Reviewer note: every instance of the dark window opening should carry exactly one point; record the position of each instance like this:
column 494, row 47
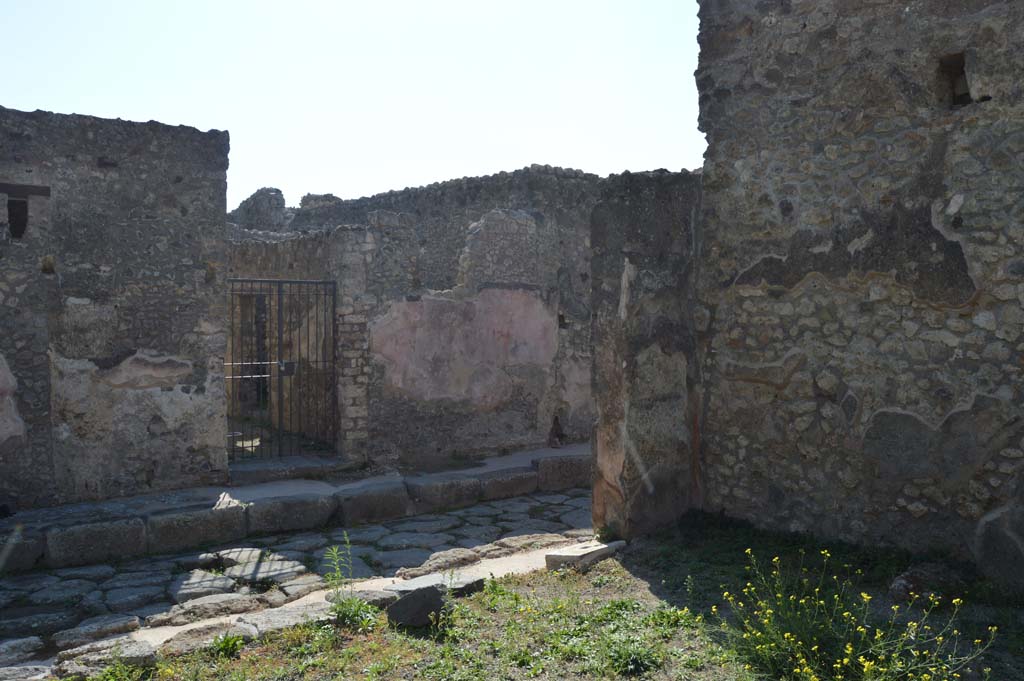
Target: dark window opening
column 954, row 70
column 17, row 217
column 562, row 323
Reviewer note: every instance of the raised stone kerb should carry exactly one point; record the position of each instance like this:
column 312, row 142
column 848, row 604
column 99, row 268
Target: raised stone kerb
column 20, row 551
column 281, row 514
column 95, row 542
column 373, row 501
column 443, row 490
column 179, row 530
column 564, row 472
column 509, row 482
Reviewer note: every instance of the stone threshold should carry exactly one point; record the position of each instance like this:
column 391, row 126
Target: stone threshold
column 255, row 471
column 117, row 530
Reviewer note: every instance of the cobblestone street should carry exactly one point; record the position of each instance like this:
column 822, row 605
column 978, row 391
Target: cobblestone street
column 50, row 611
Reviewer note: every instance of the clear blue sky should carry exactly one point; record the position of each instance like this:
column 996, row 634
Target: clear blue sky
column 356, row 97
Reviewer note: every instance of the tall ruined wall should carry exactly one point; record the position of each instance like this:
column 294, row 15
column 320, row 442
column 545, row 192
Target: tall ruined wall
column 863, row 269
column 463, row 312
column 105, row 309
column 646, row 374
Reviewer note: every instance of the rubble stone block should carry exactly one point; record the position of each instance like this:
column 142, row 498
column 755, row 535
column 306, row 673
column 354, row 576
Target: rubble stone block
column 282, row 514
column 179, row 530
column 581, row 556
column 418, row 608
column 564, row 472
column 95, row 542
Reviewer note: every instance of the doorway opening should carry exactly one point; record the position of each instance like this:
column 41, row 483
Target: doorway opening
column 279, row 368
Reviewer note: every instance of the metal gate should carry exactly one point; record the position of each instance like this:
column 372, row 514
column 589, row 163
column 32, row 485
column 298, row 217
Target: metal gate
column 279, row 368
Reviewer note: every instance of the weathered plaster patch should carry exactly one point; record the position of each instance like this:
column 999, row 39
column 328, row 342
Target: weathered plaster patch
column 628, row 275
column 913, row 251
column 145, row 370
column 131, row 429
column 776, row 374
column 904, row 447
column 576, row 391
column 439, row 348
column 660, row 374
column 85, row 328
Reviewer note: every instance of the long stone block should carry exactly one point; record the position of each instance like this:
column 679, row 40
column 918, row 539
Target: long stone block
column 441, row 491
column 179, row 530
column 373, row 502
column 564, row 472
column 20, row 552
column 281, row 514
column 510, row 482
column 95, row 542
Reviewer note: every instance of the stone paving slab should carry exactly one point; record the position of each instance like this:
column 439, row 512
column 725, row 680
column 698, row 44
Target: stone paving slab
column 19, row 650
column 265, row 570
column 199, row 583
column 93, row 629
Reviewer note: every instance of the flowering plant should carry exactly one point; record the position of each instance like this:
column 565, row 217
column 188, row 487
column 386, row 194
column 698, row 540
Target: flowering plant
column 808, row 624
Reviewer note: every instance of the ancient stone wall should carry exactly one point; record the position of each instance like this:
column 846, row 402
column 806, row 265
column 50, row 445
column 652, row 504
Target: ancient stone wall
column 863, row 270
column 105, row 306
column 463, row 312
column 646, row 373
column 264, row 211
